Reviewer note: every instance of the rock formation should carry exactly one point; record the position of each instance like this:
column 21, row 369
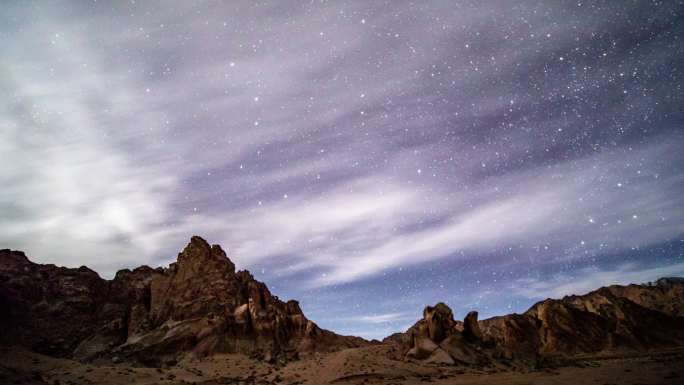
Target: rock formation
column 614, row 318
column 439, row 321
column 199, row 304
column 634, row 317
column 471, row 329
column 439, row 339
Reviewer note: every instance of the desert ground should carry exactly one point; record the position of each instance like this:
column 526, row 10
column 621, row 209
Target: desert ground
column 368, row 365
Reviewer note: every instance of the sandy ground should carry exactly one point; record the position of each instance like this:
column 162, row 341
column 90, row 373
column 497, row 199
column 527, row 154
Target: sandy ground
column 371, row 365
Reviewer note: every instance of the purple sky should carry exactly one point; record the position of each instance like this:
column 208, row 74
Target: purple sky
column 365, row 159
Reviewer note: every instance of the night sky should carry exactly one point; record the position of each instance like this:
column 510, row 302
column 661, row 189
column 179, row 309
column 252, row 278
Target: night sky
column 365, row 158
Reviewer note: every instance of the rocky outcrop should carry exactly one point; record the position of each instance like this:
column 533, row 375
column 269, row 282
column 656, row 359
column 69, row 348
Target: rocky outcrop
column 471, row 329
column 439, row 339
column 614, row 318
column 634, row 317
column 665, row 295
column 439, row 322
column 199, row 304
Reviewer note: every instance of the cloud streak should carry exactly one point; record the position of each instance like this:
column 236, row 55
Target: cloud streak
column 350, row 233
column 335, row 145
column 588, row 279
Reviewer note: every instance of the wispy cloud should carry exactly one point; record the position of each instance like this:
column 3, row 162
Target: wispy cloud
column 591, row 278
column 384, row 318
column 360, row 229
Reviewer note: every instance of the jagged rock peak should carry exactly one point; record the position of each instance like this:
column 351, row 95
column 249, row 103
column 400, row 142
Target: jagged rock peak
column 198, row 252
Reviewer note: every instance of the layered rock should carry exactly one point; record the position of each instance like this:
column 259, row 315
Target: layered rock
column 198, row 304
column 614, row 318
column 634, row 317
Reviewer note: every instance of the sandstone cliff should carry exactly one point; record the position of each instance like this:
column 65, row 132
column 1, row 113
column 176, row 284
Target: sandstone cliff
column 199, row 304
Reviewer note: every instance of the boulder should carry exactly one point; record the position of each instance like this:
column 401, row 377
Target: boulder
column 439, row 357
column 422, row 348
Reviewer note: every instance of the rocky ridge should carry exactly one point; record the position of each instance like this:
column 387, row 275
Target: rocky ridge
column 199, row 304
column 610, row 319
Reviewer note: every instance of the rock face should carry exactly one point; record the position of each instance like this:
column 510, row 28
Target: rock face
column 48, row 307
column 634, row 317
column 200, row 304
column 614, row 318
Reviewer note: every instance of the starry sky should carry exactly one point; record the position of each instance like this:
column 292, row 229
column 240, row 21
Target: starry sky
column 365, row 158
